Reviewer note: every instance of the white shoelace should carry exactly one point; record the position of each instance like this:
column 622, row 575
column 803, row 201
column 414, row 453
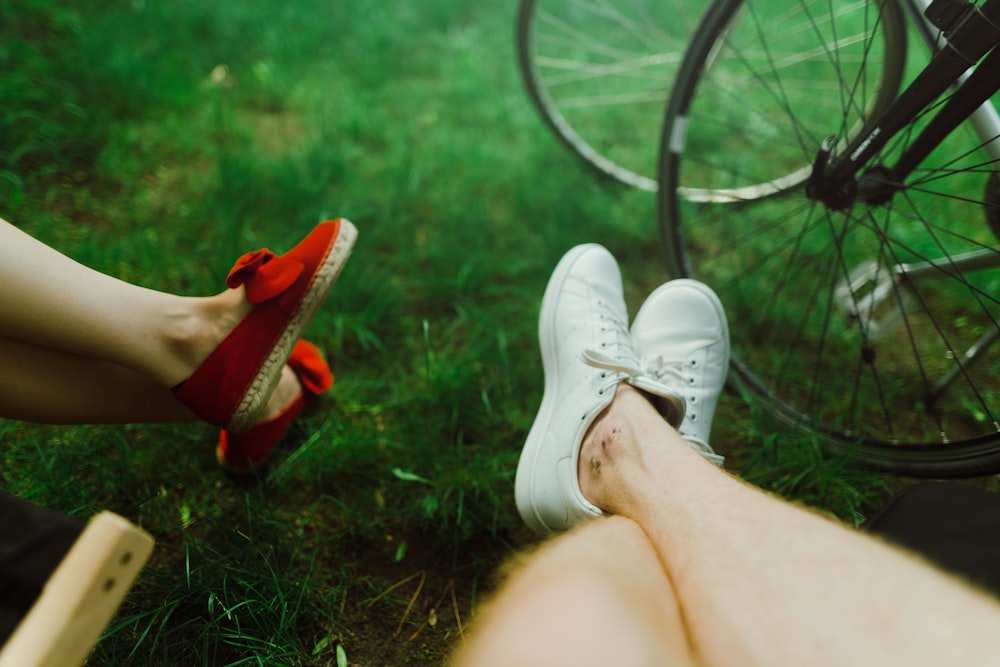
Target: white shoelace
column 618, row 363
column 669, row 372
column 658, row 369
column 617, row 368
column 616, row 355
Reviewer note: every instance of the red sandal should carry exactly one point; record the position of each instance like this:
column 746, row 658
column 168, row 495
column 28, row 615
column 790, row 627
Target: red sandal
column 231, row 387
column 241, row 454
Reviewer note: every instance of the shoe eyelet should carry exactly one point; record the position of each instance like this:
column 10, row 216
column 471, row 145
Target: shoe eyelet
column 692, row 399
column 692, row 416
column 693, row 363
column 691, row 381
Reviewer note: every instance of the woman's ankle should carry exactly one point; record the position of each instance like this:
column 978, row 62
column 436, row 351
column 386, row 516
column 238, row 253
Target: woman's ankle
column 195, row 329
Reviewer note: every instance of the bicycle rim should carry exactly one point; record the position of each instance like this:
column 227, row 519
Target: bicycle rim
column 825, row 331
column 599, row 72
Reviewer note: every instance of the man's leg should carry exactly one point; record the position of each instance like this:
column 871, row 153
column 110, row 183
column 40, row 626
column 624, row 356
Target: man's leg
column 756, row 581
column 763, row 582
column 596, row 595
column 700, row 568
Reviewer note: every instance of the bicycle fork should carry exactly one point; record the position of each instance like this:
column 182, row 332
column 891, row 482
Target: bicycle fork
column 835, row 182
column 876, row 296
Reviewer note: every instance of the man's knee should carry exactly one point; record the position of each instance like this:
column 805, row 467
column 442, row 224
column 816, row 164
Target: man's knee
column 569, row 616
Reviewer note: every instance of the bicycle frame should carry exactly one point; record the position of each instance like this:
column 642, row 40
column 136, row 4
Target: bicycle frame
column 864, row 293
column 977, row 32
column 985, row 120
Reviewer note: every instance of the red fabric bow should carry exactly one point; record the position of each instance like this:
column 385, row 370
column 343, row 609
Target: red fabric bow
column 263, row 274
column 310, row 367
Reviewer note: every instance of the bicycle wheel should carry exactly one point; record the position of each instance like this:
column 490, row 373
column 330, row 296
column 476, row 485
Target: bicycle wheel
column 599, row 72
column 868, row 325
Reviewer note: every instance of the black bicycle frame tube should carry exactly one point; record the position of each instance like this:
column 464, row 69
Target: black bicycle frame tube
column 975, row 35
column 976, row 90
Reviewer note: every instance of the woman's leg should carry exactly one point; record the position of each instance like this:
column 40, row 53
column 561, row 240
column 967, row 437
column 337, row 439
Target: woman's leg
column 46, row 385
column 49, row 300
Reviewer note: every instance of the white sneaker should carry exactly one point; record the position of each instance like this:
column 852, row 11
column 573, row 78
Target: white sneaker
column 586, row 352
column 682, row 340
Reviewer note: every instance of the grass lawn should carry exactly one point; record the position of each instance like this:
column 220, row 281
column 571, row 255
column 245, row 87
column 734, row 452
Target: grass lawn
column 159, row 141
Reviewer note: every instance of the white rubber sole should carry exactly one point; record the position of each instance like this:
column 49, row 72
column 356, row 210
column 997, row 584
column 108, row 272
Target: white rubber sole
column 538, row 441
column 248, row 412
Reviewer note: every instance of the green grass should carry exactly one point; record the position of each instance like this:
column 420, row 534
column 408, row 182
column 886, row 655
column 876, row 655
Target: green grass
column 119, row 147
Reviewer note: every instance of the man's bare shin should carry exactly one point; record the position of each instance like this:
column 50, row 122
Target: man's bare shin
column 763, row 582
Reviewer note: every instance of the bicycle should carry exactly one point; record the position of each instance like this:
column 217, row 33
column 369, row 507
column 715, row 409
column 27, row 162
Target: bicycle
column 849, row 227
column 599, row 73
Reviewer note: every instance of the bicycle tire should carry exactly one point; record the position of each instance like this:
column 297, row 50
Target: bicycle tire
column 599, row 73
column 856, row 377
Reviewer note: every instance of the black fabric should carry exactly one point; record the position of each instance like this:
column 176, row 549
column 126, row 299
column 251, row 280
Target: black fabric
column 33, row 541
column 956, row 526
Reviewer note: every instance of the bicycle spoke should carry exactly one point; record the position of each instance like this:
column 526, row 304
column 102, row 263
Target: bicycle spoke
column 861, row 312
column 599, row 72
